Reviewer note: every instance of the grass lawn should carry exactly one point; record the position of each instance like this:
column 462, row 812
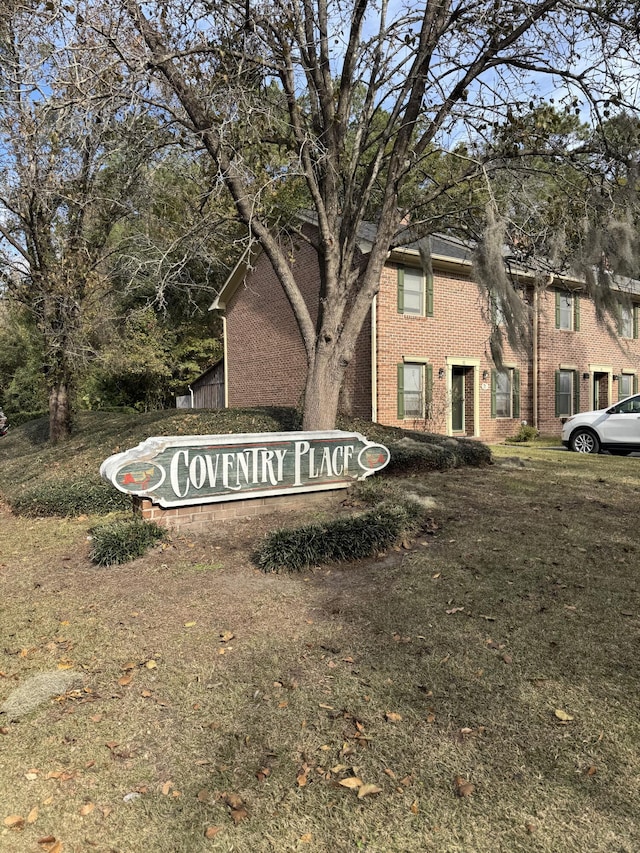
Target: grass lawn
column 484, row 680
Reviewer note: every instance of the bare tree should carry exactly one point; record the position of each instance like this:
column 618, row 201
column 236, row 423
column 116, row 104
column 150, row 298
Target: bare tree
column 356, row 100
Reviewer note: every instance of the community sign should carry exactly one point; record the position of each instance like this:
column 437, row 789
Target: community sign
column 180, row 470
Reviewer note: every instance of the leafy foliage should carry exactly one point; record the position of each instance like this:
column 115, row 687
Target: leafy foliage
column 525, row 433
column 89, row 496
column 342, row 539
column 121, row 541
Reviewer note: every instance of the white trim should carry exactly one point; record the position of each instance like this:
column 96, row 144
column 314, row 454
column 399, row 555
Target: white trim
column 451, row 362
column 374, row 359
column 225, row 354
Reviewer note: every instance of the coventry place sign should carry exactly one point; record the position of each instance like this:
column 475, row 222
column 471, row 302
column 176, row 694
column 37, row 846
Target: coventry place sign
column 180, row 470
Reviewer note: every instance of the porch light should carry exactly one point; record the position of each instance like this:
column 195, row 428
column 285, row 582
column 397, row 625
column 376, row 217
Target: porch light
column 441, row 373
column 615, row 377
column 485, row 374
column 585, row 375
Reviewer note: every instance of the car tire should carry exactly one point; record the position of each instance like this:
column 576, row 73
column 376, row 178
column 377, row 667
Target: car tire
column 585, row 441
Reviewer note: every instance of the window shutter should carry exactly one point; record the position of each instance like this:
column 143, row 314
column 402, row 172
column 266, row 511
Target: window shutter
column 429, row 294
column 576, row 392
column 401, row 390
column 557, row 393
column 557, row 309
column 428, row 388
column 400, row 290
column 576, row 312
column 635, row 384
column 493, row 394
column 515, row 404
column 635, row 321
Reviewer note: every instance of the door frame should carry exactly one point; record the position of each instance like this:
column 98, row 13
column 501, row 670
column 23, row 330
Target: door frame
column 474, row 365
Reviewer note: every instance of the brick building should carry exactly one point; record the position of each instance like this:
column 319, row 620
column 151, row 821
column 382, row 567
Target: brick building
column 423, row 357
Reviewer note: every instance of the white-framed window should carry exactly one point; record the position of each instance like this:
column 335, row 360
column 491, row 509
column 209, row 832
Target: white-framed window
column 567, row 311
column 505, row 393
column 629, row 321
column 415, row 292
column 627, row 385
column 414, row 388
column 567, row 392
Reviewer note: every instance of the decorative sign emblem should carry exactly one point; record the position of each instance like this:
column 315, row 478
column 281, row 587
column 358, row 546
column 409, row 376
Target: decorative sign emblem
column 180, row 470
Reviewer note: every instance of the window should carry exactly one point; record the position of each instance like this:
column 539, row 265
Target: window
column 414, row 389
column 415, row 292
column 567, row 311
column 627, row 385
column 629, row 321
column 567, row 393
column 505, row 393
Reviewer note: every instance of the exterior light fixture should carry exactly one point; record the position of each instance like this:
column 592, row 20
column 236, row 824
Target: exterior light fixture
column 615, row 377
column 585, row 375
column 441, row 373
column 485, row 374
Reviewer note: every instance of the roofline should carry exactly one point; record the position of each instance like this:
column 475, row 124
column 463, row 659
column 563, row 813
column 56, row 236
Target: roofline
column 236, row 277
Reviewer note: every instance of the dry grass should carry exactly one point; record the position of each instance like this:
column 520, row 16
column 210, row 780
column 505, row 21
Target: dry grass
column 543, row 560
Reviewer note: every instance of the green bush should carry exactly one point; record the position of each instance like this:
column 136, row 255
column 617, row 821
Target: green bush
column 17, row 418
column 343, row 539
column 525, row 433
column 121, row 541
column 89, row 496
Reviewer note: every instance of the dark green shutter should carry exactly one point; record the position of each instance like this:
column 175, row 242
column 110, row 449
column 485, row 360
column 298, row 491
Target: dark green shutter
column 400, row 290
column 493, row 394
column 515, row 404
column 557, row 393
column 429, row 294
column 557, row 309
column 635, row 321
column 635, row 384
column 576, row 392
column 576, row 312
column 401, row 391
column 428, row 388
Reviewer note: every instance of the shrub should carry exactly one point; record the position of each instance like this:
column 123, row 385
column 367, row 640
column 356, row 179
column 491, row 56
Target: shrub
column 89, row 496
column 525, row 433
column 352, row 538
column 121, row 541
column 17, row 418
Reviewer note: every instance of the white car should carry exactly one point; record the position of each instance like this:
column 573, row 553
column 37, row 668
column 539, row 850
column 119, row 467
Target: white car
column 616, row 429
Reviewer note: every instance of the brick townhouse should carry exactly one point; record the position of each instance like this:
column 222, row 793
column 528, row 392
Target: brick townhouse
column 423, row 358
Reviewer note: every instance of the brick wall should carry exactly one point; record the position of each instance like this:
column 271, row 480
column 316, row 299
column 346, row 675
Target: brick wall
column 200, row 517
column 456, row 334
column 590, row 347
column 266, row 360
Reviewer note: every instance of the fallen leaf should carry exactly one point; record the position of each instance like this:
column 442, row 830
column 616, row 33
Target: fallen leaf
column 238, row 814
column 57, row 848
column 4, row 730
column 190, row 624
column 87, row 808
column 96, row 718
column 124, row 680
column 390, row 773
column 225, row 636
column 563, row 716
column 151, row 664
column 351, row 782
column 14, row 821
column 365, row 790
column 591, row 770
column 128, row 666
column 47, row 839
column 234, row 801
column 392, row 717
column 463, row 788
column 306, row 838
column 507, row 658
column 167, row 787
column 414, row 807
column 31, row 777
column 211, row 831
column 301, row 779
column 32, row 817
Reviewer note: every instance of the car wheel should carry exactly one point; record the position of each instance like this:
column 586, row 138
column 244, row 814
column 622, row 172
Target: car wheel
column 616, row 451
column 585, row 441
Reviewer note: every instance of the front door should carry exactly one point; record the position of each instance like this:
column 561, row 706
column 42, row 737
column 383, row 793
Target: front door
column 600, row 391
column 457, row 399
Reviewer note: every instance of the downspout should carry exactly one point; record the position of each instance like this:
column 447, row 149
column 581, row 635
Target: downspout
column 534, row 359
column 374, row 359
column 225, row 354
column 192, row 400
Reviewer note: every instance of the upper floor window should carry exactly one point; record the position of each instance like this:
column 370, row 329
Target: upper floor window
column 629, row 321
column 415, row 292
column 567, row 310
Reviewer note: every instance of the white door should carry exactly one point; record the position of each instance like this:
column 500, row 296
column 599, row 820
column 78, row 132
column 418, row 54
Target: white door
column 623, row 425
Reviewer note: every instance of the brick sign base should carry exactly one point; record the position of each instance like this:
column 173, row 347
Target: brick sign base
column 200, row 517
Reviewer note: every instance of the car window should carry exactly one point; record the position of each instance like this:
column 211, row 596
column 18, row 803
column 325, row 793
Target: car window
column 631, row 406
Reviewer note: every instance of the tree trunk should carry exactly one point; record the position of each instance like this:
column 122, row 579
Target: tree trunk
column 322, row 393
column 59, row 412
